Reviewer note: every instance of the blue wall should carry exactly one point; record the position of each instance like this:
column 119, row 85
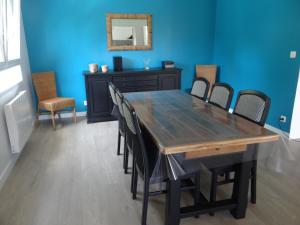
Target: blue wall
column 252, row 43
column 65, row 36
column 249, row 39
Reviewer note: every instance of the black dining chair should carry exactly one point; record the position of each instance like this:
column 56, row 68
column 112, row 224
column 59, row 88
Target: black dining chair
column 221, row 95
column 200, row 88
column 117, row 114
column 119, row 99
column 112, row 92
column 253, row 106
column 145, row 158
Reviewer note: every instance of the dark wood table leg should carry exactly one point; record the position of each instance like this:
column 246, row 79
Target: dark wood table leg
column 173, row 203
column 240, row 190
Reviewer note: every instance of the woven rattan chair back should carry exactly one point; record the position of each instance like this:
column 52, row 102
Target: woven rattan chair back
column 253, row 106
column 112, row 91
column 45, row 85
column 221, row 95
column 200, row 88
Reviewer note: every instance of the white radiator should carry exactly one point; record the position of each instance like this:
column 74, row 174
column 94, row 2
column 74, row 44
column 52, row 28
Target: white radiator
column 20, row 121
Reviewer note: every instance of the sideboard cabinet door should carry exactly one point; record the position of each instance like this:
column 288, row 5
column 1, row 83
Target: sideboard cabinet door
column 99, row 102
column 169, row 82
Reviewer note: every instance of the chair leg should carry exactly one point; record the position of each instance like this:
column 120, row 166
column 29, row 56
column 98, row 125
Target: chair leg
column 125, row 143
column 53, row 119
column 59, row 116
column 253, row 182
column 145, row 203
column 119, row 143
column 227, row 176
column 213, row 189
column 74, row 115
column 197, row 191
column 126, row 161
column 124, row 158
column 37, row 115
column 133, row 173
column 134, row 183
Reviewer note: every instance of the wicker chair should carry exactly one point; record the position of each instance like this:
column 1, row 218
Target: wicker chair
column 45, row 87
column 209, row 72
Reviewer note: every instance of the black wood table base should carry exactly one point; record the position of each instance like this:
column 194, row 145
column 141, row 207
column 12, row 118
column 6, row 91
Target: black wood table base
column 237, row 205
column 240, row 190
column 173, row 203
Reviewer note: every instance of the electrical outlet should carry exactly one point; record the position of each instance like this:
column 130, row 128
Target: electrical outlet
column 85, row 103
column 282, row 119
column 293, row 54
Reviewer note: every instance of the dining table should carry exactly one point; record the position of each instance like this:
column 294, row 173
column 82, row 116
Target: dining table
column 198, row 133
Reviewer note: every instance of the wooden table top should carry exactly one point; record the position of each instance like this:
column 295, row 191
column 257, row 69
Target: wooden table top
column 181, row 123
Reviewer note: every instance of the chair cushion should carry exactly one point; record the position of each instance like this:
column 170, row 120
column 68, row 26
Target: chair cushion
column 55, row 104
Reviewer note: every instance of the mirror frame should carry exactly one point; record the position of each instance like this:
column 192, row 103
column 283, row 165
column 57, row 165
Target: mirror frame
column 111, row 16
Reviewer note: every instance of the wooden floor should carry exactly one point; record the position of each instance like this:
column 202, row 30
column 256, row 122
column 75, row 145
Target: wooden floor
column 72, row 176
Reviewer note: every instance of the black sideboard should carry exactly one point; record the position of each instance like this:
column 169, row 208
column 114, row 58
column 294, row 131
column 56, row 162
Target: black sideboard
column 98, row 98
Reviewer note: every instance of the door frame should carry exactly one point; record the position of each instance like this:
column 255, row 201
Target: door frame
column 295, row 124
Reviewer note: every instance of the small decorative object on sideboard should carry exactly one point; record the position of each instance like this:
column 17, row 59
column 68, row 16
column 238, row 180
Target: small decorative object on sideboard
column 118, row 63
column 147, row 63
column 168, row 65
column 93, row 68
column 104, row 68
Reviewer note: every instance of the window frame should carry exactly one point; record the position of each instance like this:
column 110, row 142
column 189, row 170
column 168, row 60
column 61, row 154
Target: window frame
column 8, row 64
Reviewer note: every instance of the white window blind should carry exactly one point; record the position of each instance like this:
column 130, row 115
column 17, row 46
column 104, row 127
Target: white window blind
column 2, row 22
column 9, row 33
column 10, row 70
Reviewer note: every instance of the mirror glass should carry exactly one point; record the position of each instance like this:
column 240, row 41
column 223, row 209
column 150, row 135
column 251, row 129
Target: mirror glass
column 129, row 32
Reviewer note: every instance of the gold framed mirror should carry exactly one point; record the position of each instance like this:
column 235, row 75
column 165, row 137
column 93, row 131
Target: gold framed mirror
column 129, row 31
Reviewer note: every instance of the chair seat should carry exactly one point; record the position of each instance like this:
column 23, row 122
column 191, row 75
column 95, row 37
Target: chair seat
column 55, row 104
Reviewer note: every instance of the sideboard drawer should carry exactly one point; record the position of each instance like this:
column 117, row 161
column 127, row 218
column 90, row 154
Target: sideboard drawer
column 137, row 89
column 136, row 83
column 138, row 77
column 141, row 83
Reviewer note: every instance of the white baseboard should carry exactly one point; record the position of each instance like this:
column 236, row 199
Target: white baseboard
column 6, row 172
column 63, row 115
column 277, row 131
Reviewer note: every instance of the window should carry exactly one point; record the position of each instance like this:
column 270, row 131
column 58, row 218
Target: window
column 10, row 72
column 10, row 77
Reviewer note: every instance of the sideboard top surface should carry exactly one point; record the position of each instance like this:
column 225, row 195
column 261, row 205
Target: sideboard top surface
column 132, row 71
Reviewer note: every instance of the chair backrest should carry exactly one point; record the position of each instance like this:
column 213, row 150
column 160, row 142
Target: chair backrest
column 200, row 88
column 253, row 105
column 209, row 72
column 45, row 85
column 119, row 99
column 138, row 145
column 112, row 91
column 221, row 95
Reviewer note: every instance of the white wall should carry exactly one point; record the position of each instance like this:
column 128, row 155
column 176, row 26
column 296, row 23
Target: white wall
column 7, row 160
column 295, row 126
